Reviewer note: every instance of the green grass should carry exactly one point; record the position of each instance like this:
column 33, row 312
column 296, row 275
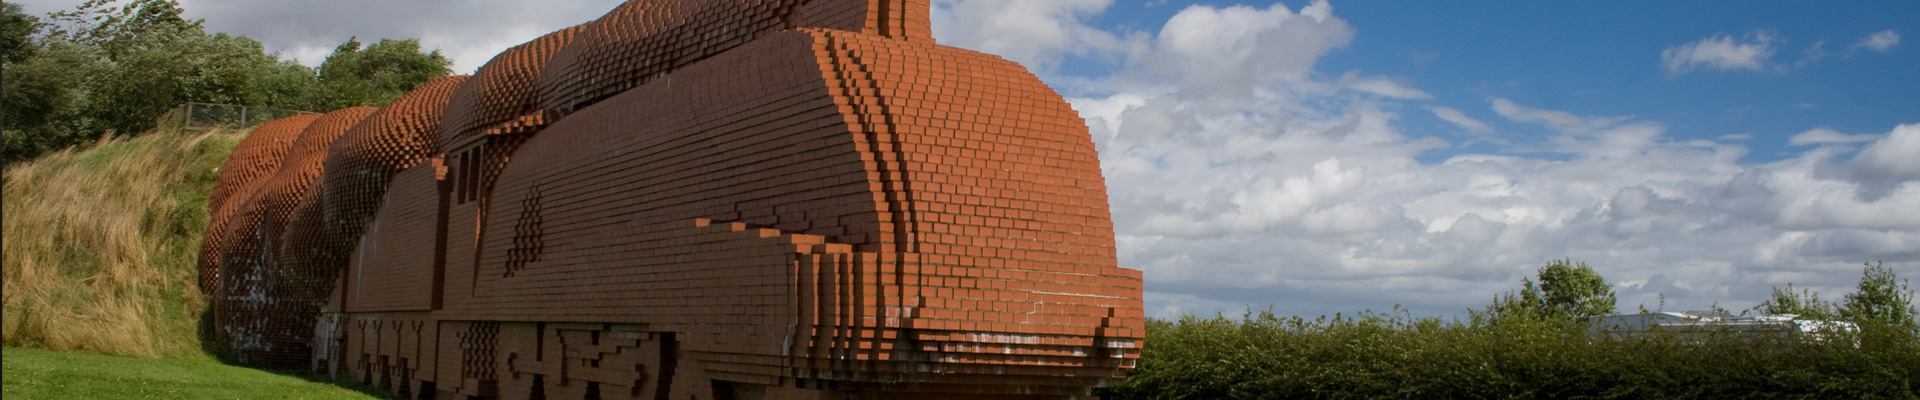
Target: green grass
column 41, row 374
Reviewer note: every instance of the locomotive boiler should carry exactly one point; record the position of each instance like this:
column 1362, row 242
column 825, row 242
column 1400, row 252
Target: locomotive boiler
column 687, row 199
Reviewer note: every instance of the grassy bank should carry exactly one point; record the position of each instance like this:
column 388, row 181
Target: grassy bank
column 40, row 374
column 100, row 245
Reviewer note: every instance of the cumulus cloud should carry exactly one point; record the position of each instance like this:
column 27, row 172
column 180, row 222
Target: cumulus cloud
column 1459, row 118
column 1897, row 154
column 1825, row 135
column 1037, row 34
column 1270, row 186
column 1721, row 52
column 1230, row 50
column 1882, row 41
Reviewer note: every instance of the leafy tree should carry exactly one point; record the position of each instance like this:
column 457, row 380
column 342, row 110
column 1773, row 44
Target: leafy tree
column 1883, row 299
column 288, row 85
column 103, row 23
column 1804, row 303
column 377, row 74
column 24, row 102
column 1574, row 289
column 161, row 70
column 1567, row 290
column 47, row 97
column 116, row 66
column 16, row 33
column 106, row 67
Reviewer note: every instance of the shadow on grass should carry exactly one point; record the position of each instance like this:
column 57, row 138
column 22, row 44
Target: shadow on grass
column 210, row 342
column 343, row 381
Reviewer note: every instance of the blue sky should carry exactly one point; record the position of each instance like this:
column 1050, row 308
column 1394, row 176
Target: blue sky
column 1603, row 58
column 1332, row 157
column 1322, row 157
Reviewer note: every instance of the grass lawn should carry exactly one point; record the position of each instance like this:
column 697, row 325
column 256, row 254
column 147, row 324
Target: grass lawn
column 41, row 374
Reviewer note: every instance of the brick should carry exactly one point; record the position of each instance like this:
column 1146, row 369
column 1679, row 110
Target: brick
column 804, row 197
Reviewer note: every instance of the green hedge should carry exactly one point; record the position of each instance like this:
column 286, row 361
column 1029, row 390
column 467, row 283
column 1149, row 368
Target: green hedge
column 1395, row 356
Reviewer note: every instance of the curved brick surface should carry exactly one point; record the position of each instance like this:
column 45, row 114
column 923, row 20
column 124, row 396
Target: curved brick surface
column 754, row 199
column 252, row 160
column 327, row 222
column 967, row 190
column 641, row 40
column 253, row 324
column 304, row 263
column 499, row 99
column 362, row 161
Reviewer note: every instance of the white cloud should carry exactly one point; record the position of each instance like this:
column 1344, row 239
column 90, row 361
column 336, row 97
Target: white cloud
column 1239, row 180
column 1721, row 52
column 1897, row 154
column 1037, row 34
column 1882, row 41
column 1812, row 54
column 1558, row 120
column 1220, row 50
column 1381, row 86
column 1458, row 118
column 1824, row 135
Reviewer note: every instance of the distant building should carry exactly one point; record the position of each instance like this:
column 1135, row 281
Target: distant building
column 1702, row 322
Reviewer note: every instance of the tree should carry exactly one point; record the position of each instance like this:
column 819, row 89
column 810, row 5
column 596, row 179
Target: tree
column 1567, row 290
column 119, row 65
column 377, row 74
column 1804, row 303
column 16, row 46
column 1883, row 299
column 1574, row 289
column 158, row 72
column 47, row 97
column 289, row 85
column 16, row 34
column 102, row 23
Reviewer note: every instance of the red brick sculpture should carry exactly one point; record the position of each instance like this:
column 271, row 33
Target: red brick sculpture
column 363, row 161
column 257, row 157
column 729, row 199
column 325, row 225
column 249, row 317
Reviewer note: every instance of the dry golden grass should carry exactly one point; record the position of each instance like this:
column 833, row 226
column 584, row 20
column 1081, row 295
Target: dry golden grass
column 100, row 245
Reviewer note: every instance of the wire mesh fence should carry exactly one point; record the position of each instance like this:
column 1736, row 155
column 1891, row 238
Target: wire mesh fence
column 204, row 116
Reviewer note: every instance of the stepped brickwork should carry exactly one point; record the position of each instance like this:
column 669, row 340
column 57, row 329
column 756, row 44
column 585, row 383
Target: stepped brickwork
column 724, row 199
column 256, row 157
column 249, row 317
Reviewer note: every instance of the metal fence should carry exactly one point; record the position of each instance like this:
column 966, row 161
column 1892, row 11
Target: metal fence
column 203, row 116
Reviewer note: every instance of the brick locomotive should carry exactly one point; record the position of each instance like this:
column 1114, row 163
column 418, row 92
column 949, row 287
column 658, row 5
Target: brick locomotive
column 722, row 199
